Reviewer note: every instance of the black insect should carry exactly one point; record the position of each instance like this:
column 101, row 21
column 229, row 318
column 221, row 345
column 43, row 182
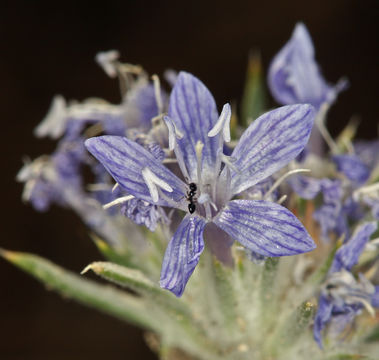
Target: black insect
column 190, row 197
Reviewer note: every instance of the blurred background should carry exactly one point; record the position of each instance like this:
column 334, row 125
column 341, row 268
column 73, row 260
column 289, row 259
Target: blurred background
column 48, row 48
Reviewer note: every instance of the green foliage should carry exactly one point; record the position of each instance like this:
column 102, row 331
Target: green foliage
column 253, row 100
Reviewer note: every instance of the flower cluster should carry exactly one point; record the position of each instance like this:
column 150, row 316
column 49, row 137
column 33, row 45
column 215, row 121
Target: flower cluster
column 227, row 212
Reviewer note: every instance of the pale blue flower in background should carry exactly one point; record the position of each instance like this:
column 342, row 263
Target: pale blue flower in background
column 343, row 297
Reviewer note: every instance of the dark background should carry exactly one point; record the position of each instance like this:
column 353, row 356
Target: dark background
column 48, row 48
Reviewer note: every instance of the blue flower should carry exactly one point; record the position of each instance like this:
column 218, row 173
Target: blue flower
column 342, row 296
column 138, row 108
column 197, row 135
column 331, row 215
column 353, row 168
column 294, row 76
column 368, row 151
column 345, row 198
column 46, row 176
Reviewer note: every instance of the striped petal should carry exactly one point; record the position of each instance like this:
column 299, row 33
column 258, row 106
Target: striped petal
column 352, row 167
column 269, row 143
column 194, row 112
column 323, row 316
column 348, row 254
column 294, row 76
column 264, row 227
column 182, row 254
column 127, row 161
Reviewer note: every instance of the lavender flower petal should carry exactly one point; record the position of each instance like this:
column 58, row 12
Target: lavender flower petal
column 294, row 76
column 352, row 167
column 305, row 186
column 323, row 315
column 348, row 254
column 182, row 254
column 142, row 213
column 141, row 105
column 367, row 151
column 194, row 111
column 375, row 298
column 125, row 159
column 264, row 227
column 269, row 143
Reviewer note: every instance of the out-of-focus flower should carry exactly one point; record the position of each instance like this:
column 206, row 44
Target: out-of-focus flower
column 294, row 76
column 342, row 296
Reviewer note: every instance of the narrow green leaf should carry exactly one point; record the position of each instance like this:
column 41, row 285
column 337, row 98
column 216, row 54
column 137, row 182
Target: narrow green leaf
column 135, row 280
column 175, row 330
column 253, row 100
column 319, row 275
column 101, row 297
column 121, row 257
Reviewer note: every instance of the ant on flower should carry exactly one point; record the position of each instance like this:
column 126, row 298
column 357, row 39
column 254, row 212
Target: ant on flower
column 190, row 197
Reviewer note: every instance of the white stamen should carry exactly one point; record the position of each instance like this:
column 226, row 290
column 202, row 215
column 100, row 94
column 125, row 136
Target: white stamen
column 222, row 124
column 157, row 92
column 373, row 245
column 366, row 190
column 115, row 186
column 97, row 187
column 119, row 200
column 282, row 199
column 26, row 172
column 169, row 161
column 173, row 132
column 208, row 213
column 364, row 302
column 54, row 123
column 281, row 179
column 107, row 60
column 178, row 132
column 152, row 181
column 199, row 155
column 28, row 188
column 320, row 123
column 229, row 160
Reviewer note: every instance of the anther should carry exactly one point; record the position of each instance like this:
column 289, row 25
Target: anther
column 173, row 132
column 222, row 124
column 281, row 179
column 152, row 181
column 54, row 122
column 368, row 190
column 119, row 200
column 229, row 160
column 157, row 92
column 107, row 60
column 199, row 155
